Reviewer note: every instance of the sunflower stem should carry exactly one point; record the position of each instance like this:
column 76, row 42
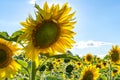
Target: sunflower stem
column 33, row 71
column 110, row 78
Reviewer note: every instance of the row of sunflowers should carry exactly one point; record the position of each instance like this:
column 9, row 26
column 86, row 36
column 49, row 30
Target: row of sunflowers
column 39, row 51
column 58, row 67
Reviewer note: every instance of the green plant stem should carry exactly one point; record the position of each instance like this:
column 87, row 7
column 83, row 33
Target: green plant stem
column 110, row 78
column 33, row 71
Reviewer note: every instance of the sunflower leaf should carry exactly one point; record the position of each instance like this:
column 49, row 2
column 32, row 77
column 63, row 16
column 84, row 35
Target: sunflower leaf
column 4, row 35
column 69, row 55
column 15, row 35
column 23, row 63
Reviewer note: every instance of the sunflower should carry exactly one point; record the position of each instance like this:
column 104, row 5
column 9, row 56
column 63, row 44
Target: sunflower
column 98, row 59
column 58, row 62
column 50, row 32
column 98, row 65
column 78, row 65
column 115, row 70
column 88, row 58
column 8, row 67
column 105, row 64
column 89, row 73
column 115, row 54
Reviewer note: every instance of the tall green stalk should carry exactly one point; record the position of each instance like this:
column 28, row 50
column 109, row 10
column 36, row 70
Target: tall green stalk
column 33, row 70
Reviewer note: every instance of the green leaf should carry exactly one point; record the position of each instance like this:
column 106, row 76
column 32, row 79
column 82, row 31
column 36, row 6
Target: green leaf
column 51, row 78
column 22, row 63
column 69, row 56
column 16, row 35
column 4, row 35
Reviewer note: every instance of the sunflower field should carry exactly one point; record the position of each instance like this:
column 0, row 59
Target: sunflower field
column 39, row 51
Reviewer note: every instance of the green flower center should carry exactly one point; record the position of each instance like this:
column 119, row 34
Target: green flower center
column 89, row 58
column 88, row 75
column 5, row 58
column 46, row 34
column 115, row 56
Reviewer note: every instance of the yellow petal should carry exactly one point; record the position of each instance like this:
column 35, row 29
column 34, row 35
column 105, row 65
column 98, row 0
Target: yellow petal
column 45, row 7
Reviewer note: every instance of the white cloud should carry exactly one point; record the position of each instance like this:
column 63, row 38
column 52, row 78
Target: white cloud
column 32, row 1
column 91, row 43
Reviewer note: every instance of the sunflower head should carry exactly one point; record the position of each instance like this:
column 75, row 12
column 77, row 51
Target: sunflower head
column 88, row 58
column 98, row 66
column 105, row 64
column 58, row 62
column 77, row 65
column 115, row 54
column 89, row 73
column 50, row 32
column 69, row 69
column 8, row 66
column 114, row 72
column 98, row 59
column 5, row 57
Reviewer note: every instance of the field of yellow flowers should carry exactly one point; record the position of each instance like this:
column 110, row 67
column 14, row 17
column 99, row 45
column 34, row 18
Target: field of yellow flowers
column 39, row 51
column 58, row 67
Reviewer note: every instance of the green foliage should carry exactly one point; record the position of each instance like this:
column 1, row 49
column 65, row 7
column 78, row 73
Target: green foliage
column 4, row 35
column 60, row 67
column 23, row 63
column 15, row 35
column 67, row 55
column 51, row 78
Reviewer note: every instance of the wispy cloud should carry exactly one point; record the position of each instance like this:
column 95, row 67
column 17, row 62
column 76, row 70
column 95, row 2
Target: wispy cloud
column 91, row 43
column 32, row 1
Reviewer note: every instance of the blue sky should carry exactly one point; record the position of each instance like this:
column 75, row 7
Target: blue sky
column 97, row 27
